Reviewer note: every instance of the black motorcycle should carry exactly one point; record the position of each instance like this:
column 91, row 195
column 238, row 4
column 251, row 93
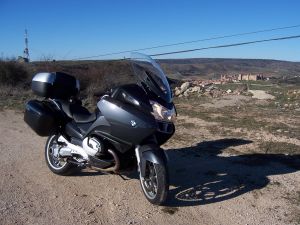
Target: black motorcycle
column 127, row 128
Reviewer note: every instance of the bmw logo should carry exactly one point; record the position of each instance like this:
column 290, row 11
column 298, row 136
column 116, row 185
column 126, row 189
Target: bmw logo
column 133, row 123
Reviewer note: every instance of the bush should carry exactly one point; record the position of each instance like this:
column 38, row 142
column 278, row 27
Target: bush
column 12, row 73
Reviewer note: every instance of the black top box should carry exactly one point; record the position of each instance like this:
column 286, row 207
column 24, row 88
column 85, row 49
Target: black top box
column 55, row 85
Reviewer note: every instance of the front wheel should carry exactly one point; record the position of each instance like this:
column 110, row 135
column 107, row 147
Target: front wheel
column 155, row 183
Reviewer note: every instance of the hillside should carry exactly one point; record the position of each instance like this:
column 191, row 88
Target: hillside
column 210, row 67
column 118, row 72
column 100, row 75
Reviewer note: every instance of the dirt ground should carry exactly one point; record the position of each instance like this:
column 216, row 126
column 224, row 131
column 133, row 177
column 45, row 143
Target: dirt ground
column 220, row 173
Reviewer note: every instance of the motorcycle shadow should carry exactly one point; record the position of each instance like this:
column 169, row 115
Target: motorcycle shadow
column 199, row 175
column 85, row 173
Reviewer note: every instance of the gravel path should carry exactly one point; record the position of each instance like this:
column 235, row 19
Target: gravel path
column 206, row 188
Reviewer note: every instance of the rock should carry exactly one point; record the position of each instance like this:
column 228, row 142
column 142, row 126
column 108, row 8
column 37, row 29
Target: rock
column 90, row 212
column 209, row 88
column 195, row 89
column 177, row 92
column 186, row 94
column 180, row 96
column 189, row 89
column 185, row 86
column 228, row 91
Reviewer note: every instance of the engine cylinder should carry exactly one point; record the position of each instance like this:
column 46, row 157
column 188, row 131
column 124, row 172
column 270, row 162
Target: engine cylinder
column 92, row 146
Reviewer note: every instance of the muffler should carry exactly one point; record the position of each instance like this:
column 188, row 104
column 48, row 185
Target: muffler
column 115, row 162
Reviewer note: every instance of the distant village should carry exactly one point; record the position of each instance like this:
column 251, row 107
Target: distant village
column 240, row 77
column 231, row 79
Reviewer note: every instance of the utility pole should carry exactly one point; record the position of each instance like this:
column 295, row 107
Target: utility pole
column 26, row 50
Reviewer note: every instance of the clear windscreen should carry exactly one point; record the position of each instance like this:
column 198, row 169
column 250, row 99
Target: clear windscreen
column 150, row 73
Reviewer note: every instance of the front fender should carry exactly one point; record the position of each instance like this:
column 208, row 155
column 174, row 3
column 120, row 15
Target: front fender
column 151, row 153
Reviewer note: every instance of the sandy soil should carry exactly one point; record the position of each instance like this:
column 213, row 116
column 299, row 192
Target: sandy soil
column 261, row 94
column 209, row 185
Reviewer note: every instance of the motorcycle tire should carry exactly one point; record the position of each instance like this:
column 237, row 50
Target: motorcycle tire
column 155, row 184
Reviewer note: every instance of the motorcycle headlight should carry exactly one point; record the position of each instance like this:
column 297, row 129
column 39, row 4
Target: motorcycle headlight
column 162, row 113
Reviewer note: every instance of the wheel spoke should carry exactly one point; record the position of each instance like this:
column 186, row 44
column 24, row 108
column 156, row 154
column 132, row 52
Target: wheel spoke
column 54, row 160
column 149, row 182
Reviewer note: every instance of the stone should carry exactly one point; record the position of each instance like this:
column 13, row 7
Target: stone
column 228, row 91
column 185, row 86
column 186, row 94
column 189, row 89
column 177, row 92
column 195, row 89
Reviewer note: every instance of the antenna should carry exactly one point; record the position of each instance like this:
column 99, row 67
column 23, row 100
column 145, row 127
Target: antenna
column 26, row 50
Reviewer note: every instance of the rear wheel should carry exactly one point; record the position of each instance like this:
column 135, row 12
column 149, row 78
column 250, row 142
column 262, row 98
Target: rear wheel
column 155, row 183
column 55, row 163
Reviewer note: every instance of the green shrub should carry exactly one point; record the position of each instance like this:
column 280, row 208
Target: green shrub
column 12, row 73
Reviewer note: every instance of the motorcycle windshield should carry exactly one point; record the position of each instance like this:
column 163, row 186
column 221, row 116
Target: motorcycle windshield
column 150, row 73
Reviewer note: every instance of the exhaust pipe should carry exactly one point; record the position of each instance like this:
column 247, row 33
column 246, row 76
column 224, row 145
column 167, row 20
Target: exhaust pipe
column 114, row 168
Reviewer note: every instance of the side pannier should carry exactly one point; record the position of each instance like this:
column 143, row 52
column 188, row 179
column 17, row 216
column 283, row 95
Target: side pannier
column 40, row 117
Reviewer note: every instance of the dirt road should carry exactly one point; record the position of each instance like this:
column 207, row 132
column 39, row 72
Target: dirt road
column 208, row 186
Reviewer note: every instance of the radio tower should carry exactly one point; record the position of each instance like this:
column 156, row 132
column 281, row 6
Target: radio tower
column 26, row 51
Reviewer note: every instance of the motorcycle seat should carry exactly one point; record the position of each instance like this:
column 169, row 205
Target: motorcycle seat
column 82, row 114
column 77, row 112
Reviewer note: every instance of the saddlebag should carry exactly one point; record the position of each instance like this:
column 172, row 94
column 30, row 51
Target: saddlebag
column 40, row 117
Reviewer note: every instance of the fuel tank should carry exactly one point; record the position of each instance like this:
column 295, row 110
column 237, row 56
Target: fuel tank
column 126, row 122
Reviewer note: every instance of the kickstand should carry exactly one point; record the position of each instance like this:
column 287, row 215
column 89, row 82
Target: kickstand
column 123, row 178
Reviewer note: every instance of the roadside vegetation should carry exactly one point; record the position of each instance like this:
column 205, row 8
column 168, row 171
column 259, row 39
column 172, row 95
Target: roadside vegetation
column 95, row 77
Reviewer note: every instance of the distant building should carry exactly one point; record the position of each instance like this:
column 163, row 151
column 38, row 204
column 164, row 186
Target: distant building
column 250, row 77
column 23, row 59
column 227, row 78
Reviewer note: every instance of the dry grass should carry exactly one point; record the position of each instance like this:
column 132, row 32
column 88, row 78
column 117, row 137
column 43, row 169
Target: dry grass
column 14, row 97
column 270, row 147
column 95, row 77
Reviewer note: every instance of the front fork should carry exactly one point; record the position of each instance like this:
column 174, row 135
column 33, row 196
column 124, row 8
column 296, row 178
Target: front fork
column 152, row 153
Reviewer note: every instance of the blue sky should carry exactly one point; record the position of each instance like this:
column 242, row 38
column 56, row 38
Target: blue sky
column 78, row 28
